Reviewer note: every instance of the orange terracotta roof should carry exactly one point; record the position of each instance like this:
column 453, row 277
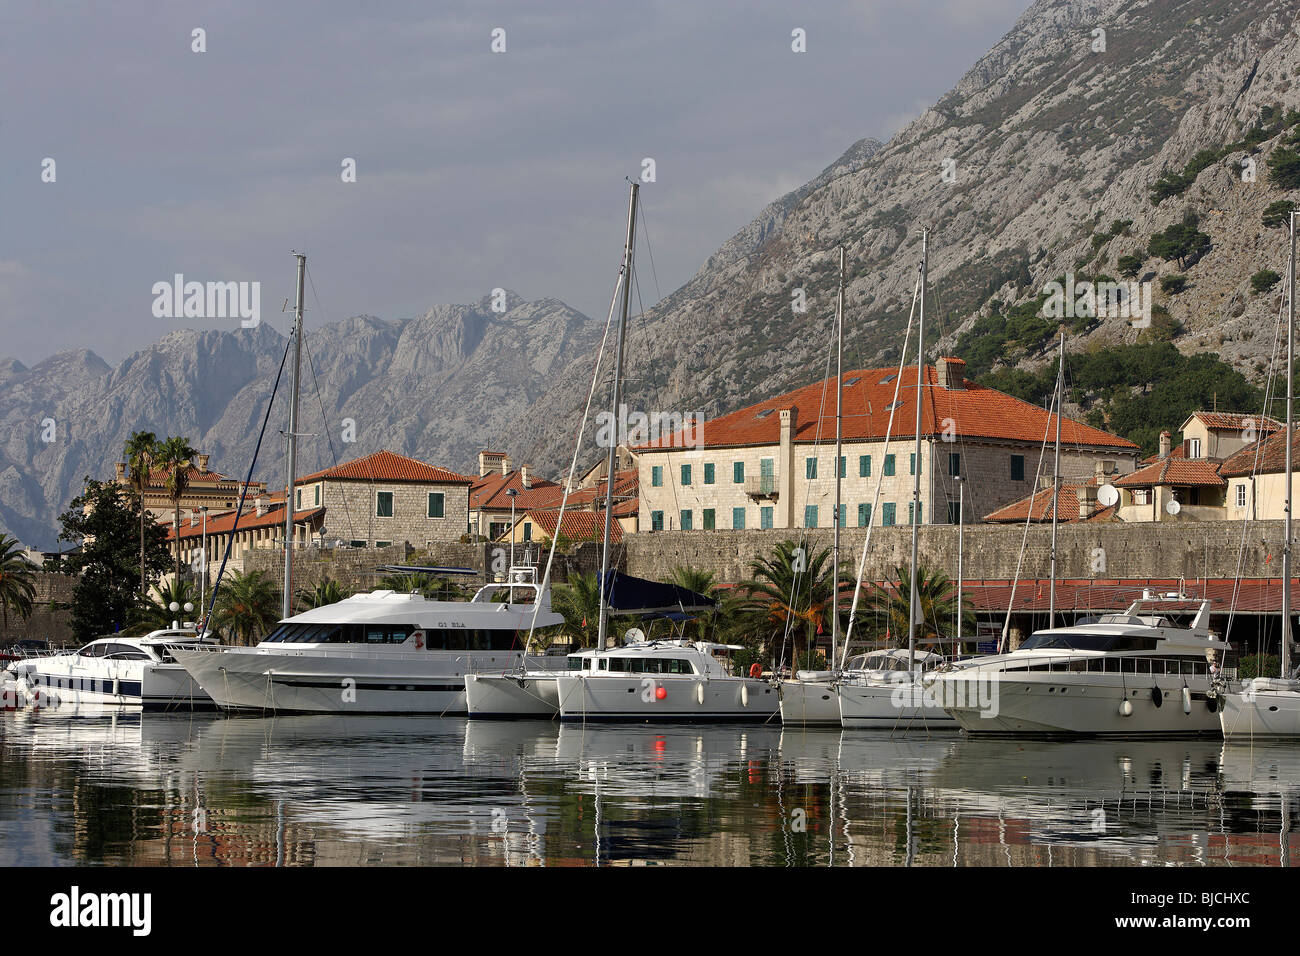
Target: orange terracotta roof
column 974, row 411
column 1174, row 471
column 1264, row 457
column 488, row 492
column 192, row 474
column 1233, row 421
column 274, row 517
column 387, row 466
column 577, row 526
column 1178, row 451
column 1067, row 506
column 626, row 492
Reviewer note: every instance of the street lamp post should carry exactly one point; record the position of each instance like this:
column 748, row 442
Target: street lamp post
column 513, row 493
column 203, row 581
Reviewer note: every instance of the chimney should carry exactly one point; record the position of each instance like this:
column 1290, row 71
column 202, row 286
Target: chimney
column 1166, row 443
column 505, row 465
column 1099, row 470
column 526, row 475
column 194, row 517
column 952, row 373
column 203, row 463
column 121, row 471
column 488, row 462
column 260, row 502
column 1087, row 500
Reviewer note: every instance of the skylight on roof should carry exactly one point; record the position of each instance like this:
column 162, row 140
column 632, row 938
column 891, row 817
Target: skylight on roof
column 764, row 413
column 893, row 405
column 853, row 381
column 888, row 378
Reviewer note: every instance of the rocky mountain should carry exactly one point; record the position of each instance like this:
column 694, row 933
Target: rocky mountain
column 1040, row 162
column 441, row 387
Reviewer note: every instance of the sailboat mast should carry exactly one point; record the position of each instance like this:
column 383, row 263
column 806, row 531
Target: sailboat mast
column 839, row 475
column 1286, row 513
column 1056, row 487
column 913, row 605
column 611, row 460
column 286, row 600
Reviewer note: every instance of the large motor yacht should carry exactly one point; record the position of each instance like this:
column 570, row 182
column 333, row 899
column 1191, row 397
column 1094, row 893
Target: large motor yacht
column 116, row 671
column 379, row 652
column 1139, row 672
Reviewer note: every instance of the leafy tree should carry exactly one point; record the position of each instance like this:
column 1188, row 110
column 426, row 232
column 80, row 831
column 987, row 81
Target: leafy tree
column 414, row 582
column 1129, row 266
column 140, row 450
column 1172, row 285
column 579, row 603
column 1278, row 213
column 156, row 613
column 1284, row 168
column 1263, row 280
column 1181, row 242
column 326, row 591
column 17, row 580
column 173, row 456
column 105, row 523
column 247, row 605
column 937, row 597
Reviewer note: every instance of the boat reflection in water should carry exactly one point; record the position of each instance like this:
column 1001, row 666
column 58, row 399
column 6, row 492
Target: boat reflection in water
column 121, row 787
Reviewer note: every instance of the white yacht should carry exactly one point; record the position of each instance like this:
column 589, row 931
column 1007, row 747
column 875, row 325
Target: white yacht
column 379, row 652
column 1139, row 672
column 891, row 695
column 1261, row 707
column 813, row 699
column 673, row 680
column 117, row 671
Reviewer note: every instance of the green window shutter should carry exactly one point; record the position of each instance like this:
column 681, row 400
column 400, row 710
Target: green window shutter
column 889, row 466
column 688, row 521
column 656, row 521
column 709, row 519
column 810, row 516
column 810, row 467
column 765, row 517
column 864, row 466
column 437, row 504
column 686, row 475
column 738, row 518
column 844, row 464
column 657, row 476
column 383, row 504
column 708, row 473
column 887, row 513
column 864, row 515
column 738, row 472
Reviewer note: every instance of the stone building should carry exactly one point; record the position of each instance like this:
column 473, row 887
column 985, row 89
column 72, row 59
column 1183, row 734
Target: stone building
column 385, row 499
column 206, row 489
column 771, row 465
column 490, row 495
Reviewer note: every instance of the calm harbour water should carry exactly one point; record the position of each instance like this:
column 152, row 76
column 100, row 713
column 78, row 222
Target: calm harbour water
column 186, row 790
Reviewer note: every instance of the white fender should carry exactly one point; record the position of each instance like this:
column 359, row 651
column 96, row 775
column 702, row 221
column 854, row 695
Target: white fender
column 699, row 693
column 117, row 686
column 744, row 695
column 1187, row 700
column 1126, row 708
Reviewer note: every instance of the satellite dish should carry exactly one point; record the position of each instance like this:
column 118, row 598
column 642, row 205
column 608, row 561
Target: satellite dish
column 1173, row 507
column 634, row 635
column 1107, row 495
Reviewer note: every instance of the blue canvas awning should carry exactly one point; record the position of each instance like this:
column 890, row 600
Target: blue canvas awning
column 630, row 595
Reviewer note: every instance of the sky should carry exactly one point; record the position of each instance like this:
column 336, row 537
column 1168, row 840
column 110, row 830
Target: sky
column 474, row 169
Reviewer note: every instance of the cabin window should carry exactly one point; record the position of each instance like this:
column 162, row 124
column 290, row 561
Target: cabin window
column 383, row 504
column 437, row 504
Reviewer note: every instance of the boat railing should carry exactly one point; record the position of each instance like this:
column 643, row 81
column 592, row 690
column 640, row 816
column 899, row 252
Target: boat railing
column 472, row 664
column 1104, row 664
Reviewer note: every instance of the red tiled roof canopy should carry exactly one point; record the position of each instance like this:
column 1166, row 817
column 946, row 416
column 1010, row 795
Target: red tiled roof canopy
column 489, row 492
column 577, row 526
column 974, row 411
column 1264, row 457
column 1235, row 421
column 273, row 518
column 1067, row 506
column 387, row 466
column 1174, row 471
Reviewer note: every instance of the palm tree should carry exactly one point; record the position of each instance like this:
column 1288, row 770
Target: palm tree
column 326, row 591
column 705, row 583
column 17, row 580
column 156, row 612
column 937, row 596
column 247, row 605
column 141, row 450
column 790, row 592
column 173, row 456
column 415, row 582
column 579, row 602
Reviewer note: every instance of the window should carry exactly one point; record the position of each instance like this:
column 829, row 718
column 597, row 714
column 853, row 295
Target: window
column 954, row 463
column 810, row 467
column 437, row 504
column 810, row 516
column 1241, row 496
column 738, row 518
column 864, row 515
column 356, row 544
column 710, row 519
column 657, row 476
column 738, row 472
column 889, row 466
column 1017, row 467
column 844, row 465
column 317, row 492
column 1193, row 448
column 911, row 464
column 708, row 473
column 887, row 512
column 954, row 512
column 297, row 501
column 686, row 475
column 528, row 531
column 383, row 504
column 864, row 466
column 688, row 521
column 1141, row 496
column 919, row 509
column 656, row 521
column 383, row 544
column 765, row 517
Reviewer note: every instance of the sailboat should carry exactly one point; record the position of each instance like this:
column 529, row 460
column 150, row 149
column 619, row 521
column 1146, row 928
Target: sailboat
column 1270, row 706
column 888, row 698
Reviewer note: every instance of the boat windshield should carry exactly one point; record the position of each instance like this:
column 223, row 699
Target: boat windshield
column 1071, row 641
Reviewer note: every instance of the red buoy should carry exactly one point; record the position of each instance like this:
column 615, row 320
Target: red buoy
column 661, row 693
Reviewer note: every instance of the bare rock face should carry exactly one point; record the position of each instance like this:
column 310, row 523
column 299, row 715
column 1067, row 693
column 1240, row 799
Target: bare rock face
column 1055, row 134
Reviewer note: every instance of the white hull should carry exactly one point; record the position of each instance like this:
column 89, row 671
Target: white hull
column 1078, row 703
column 686, row 698
column 1267, row 708
column 70, row 680
column 428, row 682
column 506, row 695
column 809, row 703
column 890, row 705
